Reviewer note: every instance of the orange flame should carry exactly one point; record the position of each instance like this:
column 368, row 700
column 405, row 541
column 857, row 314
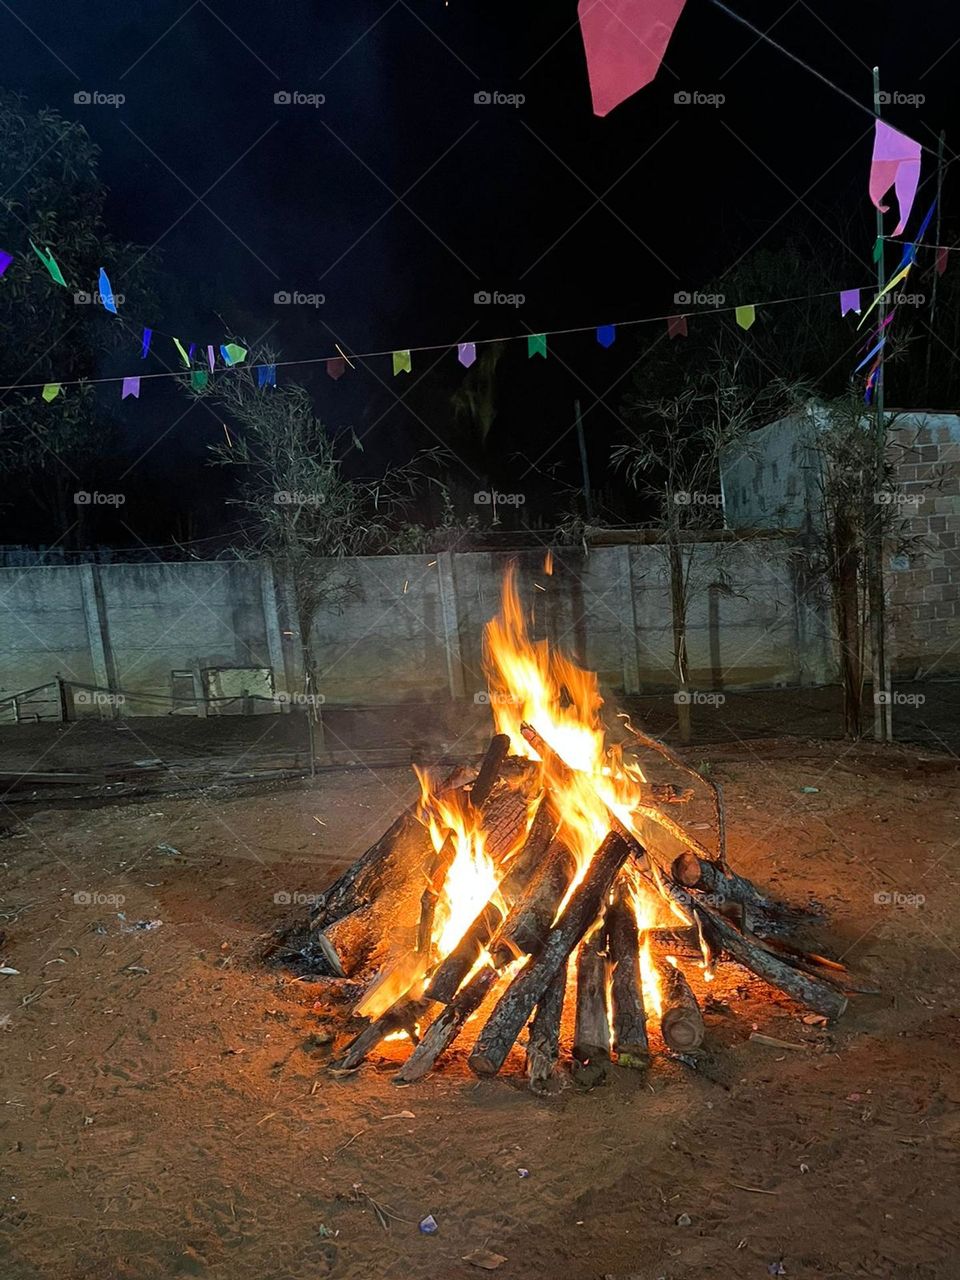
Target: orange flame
column 531, row 683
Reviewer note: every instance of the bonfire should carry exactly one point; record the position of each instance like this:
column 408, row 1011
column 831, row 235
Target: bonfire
column 553, row 872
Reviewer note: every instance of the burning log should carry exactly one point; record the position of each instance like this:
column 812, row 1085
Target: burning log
column 671, row 756
column 591, row 1036
column 403, row 1016
column 447, row 1026
column 626, row 987
column 681, row 1022
column 753, row 955
column 452, row 971
column 442, row 861
column 364, row 878
column 515, row 1006
column 543, row 1046
column 695, row 873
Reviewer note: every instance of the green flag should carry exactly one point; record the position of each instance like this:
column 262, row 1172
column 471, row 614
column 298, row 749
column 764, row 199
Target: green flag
column 877, row 248
column 51, row 391
column 746, row 316
column 537, row 345
column 199, row 379
column 50, row 262
column 183, row 351
column 401, row 362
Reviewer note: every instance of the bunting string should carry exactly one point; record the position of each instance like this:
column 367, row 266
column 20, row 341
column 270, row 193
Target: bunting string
column 466, row 352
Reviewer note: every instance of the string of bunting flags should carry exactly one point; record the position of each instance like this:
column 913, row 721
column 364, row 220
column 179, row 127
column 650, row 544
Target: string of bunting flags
column 200, row 362
column 895, row 164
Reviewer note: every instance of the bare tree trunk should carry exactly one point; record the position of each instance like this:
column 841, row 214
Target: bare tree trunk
column 847, row 611
column 679, row 610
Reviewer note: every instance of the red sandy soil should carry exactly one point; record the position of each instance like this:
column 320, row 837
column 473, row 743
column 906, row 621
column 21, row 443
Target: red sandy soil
column 168, row 1112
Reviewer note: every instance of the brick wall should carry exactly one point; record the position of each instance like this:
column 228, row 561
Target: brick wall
column 924, row 585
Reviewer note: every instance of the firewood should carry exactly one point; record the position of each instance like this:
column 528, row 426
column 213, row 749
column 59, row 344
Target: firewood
column 362, row 880
column 443, row 859
column 695, row 873
column 404, row 1015
column 591, row 1036
column 533, row 905
column 626, row 987
column 543, row 1046
column 515, row 1006
column 759, row 959
column 447, row 1026
column 668, row 754
column 681, row 1022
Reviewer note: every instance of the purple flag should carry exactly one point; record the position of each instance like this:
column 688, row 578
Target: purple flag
column 193, row 347
column 211, row 357
column 895, row 163
column 850, row 301
column 5, row 260
column 131, row 387
column 466, row 353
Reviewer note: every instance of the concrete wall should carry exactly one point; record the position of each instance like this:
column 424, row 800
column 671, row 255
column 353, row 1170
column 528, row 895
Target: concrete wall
column 773, row 484
column 400, row 628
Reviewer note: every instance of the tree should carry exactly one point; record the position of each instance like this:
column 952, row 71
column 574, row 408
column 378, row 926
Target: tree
column 303, row 511
column 54, row 196
column 674, row 459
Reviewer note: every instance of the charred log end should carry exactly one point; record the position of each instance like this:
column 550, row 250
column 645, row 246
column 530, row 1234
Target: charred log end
column 682, row 1030
column 686, row 869
column 482, row 1065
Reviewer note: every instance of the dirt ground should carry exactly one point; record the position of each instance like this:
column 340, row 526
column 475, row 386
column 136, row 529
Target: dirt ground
column 167, row 1111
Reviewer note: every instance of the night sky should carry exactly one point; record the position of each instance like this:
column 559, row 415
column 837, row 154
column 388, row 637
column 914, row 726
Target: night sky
column 401, row 197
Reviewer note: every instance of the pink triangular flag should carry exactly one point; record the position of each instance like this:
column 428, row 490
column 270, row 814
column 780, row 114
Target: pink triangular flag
column 943, row 255
column 131, row 387
column 336, row 367
column 677, row 326
column 625, row 41
column 896, row 162
column 466, row 353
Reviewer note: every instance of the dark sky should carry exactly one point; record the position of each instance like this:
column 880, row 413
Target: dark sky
column 400, row 197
